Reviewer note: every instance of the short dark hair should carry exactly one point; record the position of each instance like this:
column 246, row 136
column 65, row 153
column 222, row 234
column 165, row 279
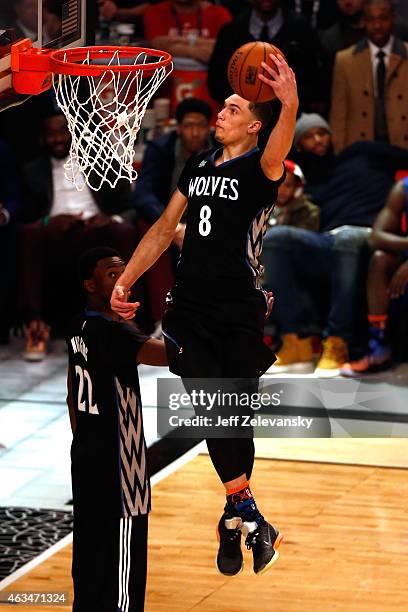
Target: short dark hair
column 262, row 111
column 193, row 105
column 89, row 260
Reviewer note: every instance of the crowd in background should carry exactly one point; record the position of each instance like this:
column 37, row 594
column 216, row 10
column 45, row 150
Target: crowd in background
column 336, row 247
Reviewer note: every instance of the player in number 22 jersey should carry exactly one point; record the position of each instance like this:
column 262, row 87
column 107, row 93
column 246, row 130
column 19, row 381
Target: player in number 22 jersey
column 213, row 326
column 110, row 482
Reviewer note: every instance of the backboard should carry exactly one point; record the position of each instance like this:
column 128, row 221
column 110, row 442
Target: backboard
column 52, row 24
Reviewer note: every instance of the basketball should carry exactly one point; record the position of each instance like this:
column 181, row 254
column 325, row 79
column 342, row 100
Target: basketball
column 243, row 69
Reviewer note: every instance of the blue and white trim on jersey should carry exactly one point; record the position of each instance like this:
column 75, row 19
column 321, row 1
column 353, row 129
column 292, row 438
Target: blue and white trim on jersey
column 134, row 479
column 254, row 243
column 234, row 159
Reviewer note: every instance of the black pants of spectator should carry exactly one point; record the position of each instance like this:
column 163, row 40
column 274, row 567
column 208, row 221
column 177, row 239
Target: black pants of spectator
column 50, row 288
column 296, row 260
column 221, row 339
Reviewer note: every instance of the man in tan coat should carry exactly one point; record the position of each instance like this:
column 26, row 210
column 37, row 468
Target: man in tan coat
column 370, row 84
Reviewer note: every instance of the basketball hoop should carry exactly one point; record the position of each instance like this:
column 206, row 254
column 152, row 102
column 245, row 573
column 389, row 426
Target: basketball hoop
column 104, row 93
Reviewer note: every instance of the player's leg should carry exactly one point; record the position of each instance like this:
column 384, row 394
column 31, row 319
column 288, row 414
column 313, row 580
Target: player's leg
column 134, row 574
column 381, row 268
column 95, row 562
column 245, row 356
column 194, row 355
column 109, row 563
column 233, row 460
column 196, row 351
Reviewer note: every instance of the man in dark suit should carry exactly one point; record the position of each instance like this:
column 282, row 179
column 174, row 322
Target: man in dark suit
column 349, row 30
column 369, row 84
column 269, row 20
column 60, row 223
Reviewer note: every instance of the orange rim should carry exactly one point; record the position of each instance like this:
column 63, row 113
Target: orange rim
column 69, row 61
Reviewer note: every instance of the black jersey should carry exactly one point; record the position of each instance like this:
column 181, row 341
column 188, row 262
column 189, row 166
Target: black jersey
column 109, row 471
column 227, row 213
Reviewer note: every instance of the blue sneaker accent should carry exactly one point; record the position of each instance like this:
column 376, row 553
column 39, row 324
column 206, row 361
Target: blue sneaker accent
column 247, row 511
column 378, row 334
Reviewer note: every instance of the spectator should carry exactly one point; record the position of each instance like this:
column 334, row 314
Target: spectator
column 60, row 223
column 297, row 261
column 127, row 12
column 9, row 212
column 269, row 20
column 161, row 167
column 387, row 279
column 20, row 124
column 165, row 157
column 292, row 207
column 185, row 28
column 235, row 7
column 313, row 149
column 368, row 93
column 347, row 31
column 26, row 19
column 321, row 14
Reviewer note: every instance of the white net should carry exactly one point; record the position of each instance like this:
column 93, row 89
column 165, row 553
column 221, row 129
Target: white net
column 104, row 114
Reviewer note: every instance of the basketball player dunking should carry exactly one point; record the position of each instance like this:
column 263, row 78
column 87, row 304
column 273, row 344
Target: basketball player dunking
column 229, row 192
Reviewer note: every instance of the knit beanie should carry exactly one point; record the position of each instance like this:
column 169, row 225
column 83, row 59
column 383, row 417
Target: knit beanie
column 306, row 122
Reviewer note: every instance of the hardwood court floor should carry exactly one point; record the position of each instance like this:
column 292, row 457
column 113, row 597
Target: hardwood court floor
column 345, row 546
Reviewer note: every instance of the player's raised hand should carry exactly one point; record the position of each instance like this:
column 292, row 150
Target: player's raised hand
column 120, row 305
column 282, row 80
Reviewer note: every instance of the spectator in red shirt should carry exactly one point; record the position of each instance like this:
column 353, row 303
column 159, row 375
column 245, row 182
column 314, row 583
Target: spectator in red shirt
column 185, row 28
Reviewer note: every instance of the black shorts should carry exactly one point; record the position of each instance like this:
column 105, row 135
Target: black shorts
column 109, row 563
column 212, row 337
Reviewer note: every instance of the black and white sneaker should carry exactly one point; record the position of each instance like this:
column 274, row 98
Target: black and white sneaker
column 229, row 560
column 264, row 540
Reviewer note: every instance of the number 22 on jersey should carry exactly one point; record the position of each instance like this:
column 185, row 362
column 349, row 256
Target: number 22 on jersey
column 85, row 396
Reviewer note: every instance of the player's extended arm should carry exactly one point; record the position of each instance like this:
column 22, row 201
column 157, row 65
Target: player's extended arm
column 387, row 228
column 153, row 352
column 283, row 83
column 156, row 240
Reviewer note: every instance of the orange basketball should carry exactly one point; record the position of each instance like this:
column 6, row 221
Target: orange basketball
column 243, row 69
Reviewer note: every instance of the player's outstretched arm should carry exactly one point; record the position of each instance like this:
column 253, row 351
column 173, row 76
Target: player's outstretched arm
column 149, row 249
column 153, row 352
column 283, row 82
